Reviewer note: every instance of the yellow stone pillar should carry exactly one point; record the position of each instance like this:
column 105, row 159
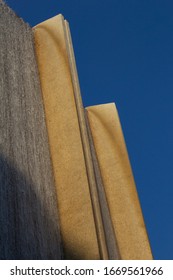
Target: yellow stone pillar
column 74, row 202
column 118, row 181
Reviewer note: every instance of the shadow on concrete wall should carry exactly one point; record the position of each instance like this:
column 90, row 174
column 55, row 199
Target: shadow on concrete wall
column 27, row 231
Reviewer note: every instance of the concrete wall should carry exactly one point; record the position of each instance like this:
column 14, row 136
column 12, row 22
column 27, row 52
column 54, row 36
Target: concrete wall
column 28, row 203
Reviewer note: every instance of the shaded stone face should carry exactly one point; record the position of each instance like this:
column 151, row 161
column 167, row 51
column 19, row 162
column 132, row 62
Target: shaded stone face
column 29, row 227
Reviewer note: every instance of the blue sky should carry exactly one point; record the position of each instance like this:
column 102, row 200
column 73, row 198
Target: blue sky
column 124, row 54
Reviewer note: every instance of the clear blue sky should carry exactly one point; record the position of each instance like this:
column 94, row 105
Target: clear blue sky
column 124, row 53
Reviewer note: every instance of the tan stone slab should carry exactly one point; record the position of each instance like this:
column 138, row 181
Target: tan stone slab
column 118, row 182
column 74, row 202
column 87, row 150
column 111, row 242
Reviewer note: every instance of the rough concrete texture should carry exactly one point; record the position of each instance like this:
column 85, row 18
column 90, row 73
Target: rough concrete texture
column 119, row 185
column 29, row 226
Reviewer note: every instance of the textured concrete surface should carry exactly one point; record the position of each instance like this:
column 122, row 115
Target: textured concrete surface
column 29, row 226
column 119, row 186
column 75, row 206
